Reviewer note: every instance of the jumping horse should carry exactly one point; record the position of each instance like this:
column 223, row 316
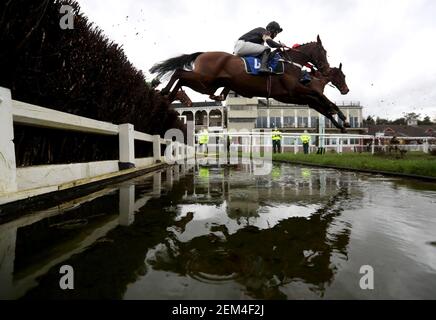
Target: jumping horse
column 213, row 70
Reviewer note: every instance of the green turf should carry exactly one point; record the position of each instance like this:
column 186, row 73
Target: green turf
column 413, row 162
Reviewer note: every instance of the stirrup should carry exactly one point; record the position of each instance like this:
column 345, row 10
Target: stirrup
column 265, row 70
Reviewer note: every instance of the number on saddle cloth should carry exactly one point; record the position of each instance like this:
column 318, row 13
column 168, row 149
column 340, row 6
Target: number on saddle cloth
column 252, row 64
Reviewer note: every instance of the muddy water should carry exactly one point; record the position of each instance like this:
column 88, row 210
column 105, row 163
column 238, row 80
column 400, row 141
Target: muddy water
column 225, row 233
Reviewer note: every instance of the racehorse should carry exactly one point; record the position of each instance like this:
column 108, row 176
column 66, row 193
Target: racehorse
column 219, row 69
column 319, row 81
column 299, row 56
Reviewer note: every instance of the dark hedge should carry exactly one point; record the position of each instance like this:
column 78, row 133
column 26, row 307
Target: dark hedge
column 78, row 71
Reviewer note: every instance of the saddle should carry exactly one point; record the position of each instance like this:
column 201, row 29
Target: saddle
column 252, row 64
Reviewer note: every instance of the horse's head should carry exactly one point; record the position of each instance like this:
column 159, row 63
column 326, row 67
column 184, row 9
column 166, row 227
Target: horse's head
column 337, row 78
column 316, row 54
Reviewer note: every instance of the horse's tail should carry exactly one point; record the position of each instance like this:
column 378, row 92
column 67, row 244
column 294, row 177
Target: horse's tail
column 180, row 62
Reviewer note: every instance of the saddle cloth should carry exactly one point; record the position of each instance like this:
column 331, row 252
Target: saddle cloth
column 252, row 64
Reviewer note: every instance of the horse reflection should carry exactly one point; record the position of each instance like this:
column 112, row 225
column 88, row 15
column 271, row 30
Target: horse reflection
column 263, row 261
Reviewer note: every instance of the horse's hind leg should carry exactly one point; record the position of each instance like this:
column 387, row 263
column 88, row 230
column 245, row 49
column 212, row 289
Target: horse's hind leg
column 170, row 84
column 195, row 81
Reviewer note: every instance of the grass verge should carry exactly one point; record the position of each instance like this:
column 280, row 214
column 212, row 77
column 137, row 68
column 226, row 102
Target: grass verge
column 414, row 163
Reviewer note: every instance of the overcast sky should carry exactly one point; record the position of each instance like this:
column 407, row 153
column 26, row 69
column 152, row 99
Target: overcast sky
column 387, row 48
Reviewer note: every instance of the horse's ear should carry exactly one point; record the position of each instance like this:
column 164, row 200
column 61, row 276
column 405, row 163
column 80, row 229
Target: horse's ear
column 318, row 39
column 340, row 66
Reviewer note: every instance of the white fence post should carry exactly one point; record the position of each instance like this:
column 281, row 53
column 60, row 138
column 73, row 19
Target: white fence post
column 127, row 205
column 156, row 149
column 176, row 172
column 295, row 145
column 425, row 146
column 126, row 146
column 182, row 152
column 8, row 167
column 157, row 183
column 175, row 150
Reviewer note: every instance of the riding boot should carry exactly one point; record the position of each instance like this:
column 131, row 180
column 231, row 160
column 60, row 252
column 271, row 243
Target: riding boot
column 264, row 62
column 305, row 78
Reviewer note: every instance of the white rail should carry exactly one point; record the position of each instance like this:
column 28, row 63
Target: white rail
column 48, row 178
column 291, row 141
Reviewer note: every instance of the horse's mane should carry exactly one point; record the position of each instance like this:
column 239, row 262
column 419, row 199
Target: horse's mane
column 307, row 43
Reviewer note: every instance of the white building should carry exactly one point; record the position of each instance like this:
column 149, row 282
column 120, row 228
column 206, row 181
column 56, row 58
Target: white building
column 256, row 113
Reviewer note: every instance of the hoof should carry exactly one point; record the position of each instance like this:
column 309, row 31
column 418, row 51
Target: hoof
column 347, row 124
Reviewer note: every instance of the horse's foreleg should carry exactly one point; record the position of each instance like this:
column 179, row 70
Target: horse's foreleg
column 334, row 109
column 336, row 124
column 326, row 112
column 340, row 114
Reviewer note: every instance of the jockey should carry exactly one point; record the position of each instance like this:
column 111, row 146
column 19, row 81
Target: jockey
column 253, row 43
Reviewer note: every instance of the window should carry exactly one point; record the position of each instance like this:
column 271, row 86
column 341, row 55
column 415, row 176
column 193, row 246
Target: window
column 288, row 121
column 354, row 122
column 244, row 107
column 261, row 122
column 303, row 122
column 314, row 122
column 275, row 122
column 288, row 141
column 240, row 120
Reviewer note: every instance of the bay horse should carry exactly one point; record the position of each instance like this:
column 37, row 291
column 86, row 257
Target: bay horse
column 301, row 55
column 220, row 69
column 335, row 76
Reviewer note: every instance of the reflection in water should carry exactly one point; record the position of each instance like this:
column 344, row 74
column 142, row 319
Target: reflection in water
column 265, row 233
column 221, row 232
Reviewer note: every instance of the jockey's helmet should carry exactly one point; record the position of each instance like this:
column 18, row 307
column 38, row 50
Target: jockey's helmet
column 274, row 27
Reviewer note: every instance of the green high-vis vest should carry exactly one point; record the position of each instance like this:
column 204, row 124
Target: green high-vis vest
column 276, row 135
column 204, row 138
column 305, row 138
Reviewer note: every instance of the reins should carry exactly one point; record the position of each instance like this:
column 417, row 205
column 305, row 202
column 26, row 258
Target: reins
column 288, row 59
column 268, row 90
